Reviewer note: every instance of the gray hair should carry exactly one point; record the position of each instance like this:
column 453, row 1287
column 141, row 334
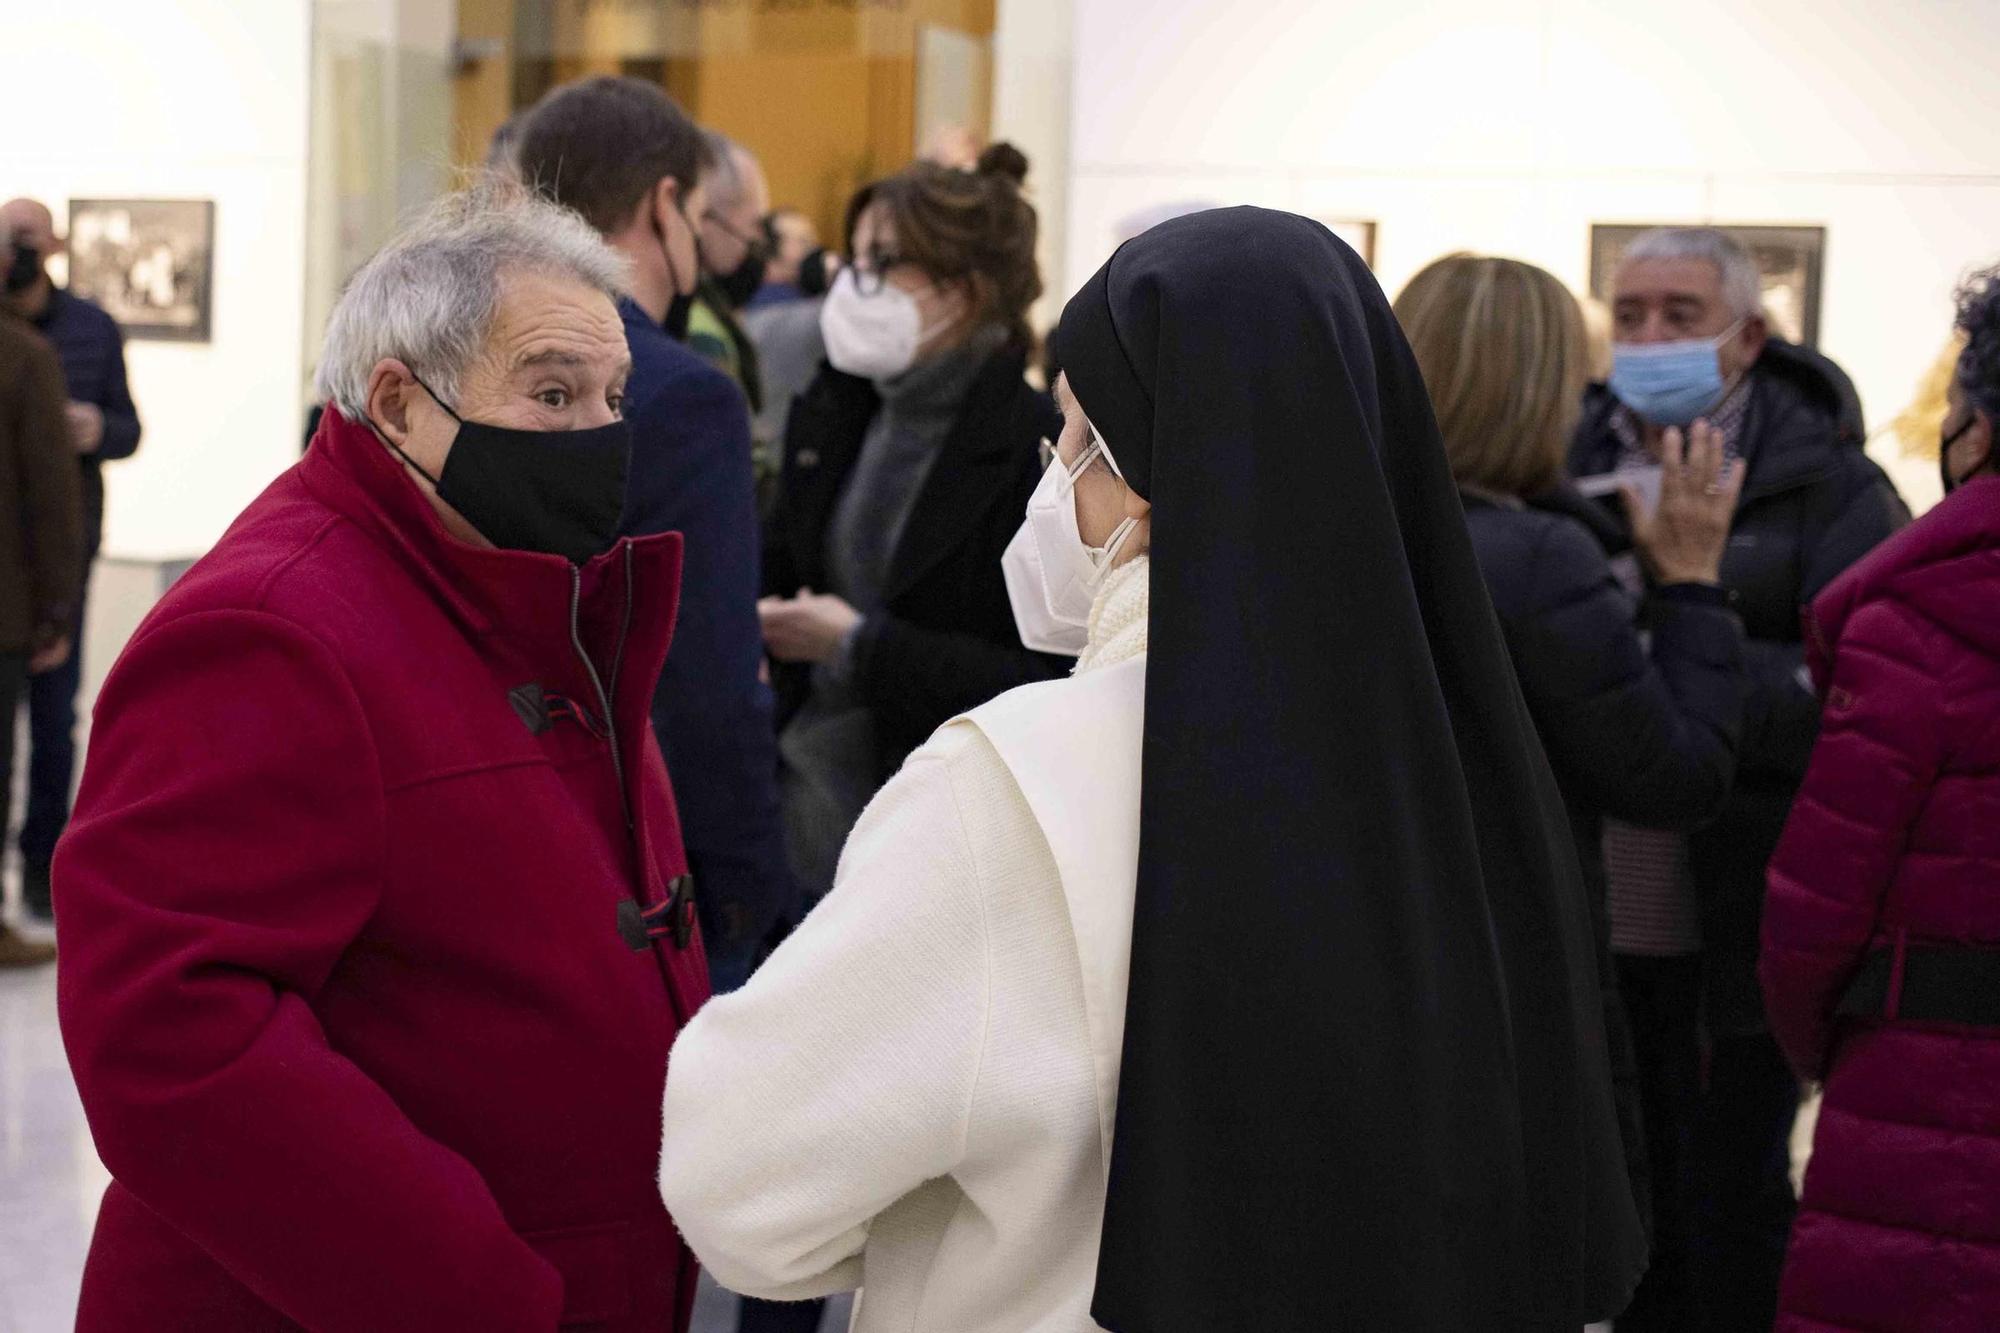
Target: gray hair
column 428, row 297
column 1742, row 289
column 725, row 169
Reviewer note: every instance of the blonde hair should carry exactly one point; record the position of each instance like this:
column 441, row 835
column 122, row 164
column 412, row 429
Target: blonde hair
column 1920, row 424
column 1501, row 345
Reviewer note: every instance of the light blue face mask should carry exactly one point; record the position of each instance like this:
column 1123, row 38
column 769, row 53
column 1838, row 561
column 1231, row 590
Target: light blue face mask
column 1670, row 384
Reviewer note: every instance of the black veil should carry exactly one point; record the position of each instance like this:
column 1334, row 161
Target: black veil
column 1364, row 1080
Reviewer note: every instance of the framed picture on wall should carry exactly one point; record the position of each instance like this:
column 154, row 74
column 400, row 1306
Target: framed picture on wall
column 149, row 262
column 1357, row 233
column 1788, row 258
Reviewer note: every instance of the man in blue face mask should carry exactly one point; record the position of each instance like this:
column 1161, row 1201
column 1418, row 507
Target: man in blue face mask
column 1691, row 344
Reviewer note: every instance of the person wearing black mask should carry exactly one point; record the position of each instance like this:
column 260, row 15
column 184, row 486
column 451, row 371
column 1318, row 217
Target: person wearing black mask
column 1243, row 980
column 621, row 153
column 103, row 428
column 376, row 932
column 40, row 551
column 795, row 270
column 734, row 254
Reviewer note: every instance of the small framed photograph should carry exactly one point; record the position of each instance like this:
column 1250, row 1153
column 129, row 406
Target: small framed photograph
column 1789, row 262
column 149, row 262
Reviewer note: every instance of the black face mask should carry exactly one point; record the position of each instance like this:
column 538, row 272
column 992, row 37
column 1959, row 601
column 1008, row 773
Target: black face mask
column 25, row 270
column 816, row 274
column 560, row 492
column 742, row 282
column 1951, row 483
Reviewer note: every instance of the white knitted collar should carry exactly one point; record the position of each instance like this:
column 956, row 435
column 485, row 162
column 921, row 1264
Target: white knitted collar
column 1118, row 618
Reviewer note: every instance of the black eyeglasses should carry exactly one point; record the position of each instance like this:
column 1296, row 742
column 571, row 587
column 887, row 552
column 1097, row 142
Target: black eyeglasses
column 871, row 272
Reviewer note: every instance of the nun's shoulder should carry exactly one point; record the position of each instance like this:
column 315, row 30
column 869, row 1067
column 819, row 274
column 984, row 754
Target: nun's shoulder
column 1043, row 733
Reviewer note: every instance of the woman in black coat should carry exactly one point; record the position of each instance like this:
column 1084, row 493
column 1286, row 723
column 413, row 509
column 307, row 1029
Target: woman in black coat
column 1637, row 696
column 907, row 465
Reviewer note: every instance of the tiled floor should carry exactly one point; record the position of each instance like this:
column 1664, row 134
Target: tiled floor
column 50, row 1179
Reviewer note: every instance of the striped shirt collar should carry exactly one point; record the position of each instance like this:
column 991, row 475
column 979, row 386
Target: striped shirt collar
column 1728, row 417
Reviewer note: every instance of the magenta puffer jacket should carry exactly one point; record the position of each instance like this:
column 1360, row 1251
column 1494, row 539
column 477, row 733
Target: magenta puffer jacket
column 1894, row 848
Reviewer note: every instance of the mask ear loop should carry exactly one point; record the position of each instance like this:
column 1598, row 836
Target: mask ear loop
column 1117, row 542
column 1721, row 338
column 1125, row 529
column 666, row 246
column 410, row 462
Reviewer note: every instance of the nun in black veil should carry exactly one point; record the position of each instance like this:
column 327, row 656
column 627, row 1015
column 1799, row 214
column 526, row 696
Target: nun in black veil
column 1244, row 980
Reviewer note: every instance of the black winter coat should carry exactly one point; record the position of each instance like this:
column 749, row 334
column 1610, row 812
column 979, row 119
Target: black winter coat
column 1813, row 503
column 1648, row 737
column 945, row 641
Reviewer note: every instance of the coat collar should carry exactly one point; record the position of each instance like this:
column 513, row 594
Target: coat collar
column 518, row 594
column 983, row 448
column 1942, row 565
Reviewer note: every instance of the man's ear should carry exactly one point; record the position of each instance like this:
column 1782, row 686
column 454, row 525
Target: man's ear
column 666, row 199
column 1756, row 332
column 389, row 386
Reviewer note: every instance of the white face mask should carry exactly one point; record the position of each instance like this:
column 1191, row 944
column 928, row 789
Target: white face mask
column 875, row 337
column 1052, row 577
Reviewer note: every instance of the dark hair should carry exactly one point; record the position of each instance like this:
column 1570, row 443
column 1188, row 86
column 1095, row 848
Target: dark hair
column 500, row 150
column 1978, row 371
column 972, row 226
column 601, row 145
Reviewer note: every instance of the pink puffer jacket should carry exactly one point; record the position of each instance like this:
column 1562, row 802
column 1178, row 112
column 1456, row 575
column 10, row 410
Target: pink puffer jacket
column 1894, row 845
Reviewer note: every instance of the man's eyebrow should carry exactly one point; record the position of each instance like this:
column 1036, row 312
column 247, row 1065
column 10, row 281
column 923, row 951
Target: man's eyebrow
column 551, row 357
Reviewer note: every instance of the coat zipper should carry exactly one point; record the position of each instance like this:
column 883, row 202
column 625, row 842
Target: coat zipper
column 596, row 681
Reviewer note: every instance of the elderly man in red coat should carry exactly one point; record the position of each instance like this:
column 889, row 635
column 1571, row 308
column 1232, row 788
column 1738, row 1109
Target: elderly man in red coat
column 375, row 930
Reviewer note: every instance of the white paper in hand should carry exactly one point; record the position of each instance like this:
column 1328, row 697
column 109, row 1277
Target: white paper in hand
column 1644, row 480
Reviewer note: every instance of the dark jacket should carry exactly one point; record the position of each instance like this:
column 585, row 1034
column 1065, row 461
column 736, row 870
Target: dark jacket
column 343, row 984
column 92, row 350
column 41, row 542
column 712, row 712
column 1644, row 735
column 1892, row 849
column 1812, row 505
column 946, row 640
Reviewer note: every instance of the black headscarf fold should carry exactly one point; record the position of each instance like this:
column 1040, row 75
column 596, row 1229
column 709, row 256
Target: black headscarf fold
column 1364, row 1081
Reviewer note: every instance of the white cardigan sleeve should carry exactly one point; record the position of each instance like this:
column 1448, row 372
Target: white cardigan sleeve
column 841, row 1077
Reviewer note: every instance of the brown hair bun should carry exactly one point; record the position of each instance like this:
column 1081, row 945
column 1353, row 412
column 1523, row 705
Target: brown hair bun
column 1005, row 161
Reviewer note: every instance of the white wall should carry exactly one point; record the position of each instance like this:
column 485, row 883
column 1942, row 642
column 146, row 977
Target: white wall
column 1031, row 99
column 1509, row 126
column 181, row 99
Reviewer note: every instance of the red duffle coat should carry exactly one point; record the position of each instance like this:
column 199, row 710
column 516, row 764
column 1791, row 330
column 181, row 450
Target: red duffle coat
column 342, row 978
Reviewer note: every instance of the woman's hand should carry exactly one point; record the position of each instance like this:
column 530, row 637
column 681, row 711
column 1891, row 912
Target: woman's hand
column 1682, row 541
column 807, row 628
